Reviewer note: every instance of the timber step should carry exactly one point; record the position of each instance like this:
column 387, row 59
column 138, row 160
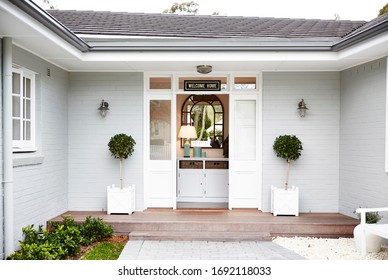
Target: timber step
column 199, row 236
column 212, row 224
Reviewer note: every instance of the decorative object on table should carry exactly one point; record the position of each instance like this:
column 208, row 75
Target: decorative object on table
column 187, row 132
column 197, row 152
column 286, row 201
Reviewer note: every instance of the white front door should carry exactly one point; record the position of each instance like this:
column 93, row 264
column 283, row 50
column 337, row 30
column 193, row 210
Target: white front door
column 244, row 152
column 159, row 153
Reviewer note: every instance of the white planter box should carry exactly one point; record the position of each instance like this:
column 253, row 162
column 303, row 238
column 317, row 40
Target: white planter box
column 285, row 202
column 120, row 201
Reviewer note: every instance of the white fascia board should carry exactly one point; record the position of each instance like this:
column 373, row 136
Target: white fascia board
column 222, row 56
column 378, row 44
column 40, row 29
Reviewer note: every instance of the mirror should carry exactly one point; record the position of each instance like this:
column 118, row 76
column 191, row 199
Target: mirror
column 206, row 114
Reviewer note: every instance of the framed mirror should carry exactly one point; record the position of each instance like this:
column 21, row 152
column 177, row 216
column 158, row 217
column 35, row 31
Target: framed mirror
column 206, row 114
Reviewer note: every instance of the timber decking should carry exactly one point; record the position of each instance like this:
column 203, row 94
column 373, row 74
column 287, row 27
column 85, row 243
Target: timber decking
column 221, row 225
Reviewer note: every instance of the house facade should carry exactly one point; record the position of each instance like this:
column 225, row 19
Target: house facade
column 58, row 66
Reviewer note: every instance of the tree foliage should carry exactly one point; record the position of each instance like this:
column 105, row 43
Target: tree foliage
column 121, row 146
column 184, row 7
column 383, row 10
column 288, row 147
column 49, row 4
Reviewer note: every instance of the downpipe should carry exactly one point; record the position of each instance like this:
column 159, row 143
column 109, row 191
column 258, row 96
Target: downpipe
column 8, row 206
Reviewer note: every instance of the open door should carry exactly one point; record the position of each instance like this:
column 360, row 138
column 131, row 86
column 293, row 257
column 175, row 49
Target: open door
column 159, row 174
column 244, row 152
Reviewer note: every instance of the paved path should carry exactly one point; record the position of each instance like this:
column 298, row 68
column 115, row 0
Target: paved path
column 205, row 250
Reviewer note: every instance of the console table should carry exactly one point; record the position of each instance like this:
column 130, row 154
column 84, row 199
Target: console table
column 202, row 180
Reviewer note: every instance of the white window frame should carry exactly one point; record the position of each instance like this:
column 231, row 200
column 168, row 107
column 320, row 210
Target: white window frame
column 24, row 145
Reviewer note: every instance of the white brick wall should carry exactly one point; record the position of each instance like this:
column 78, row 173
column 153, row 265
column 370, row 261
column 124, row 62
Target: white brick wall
column 40, row 190
column 316, row 171
column 91, row 167
column 363, row 180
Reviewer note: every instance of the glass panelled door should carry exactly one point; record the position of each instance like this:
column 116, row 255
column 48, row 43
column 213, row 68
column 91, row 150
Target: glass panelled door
column 245, row 186
column 159, row 164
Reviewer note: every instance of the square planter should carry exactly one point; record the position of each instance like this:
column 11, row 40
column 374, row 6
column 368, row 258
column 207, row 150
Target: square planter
column 285, row 202
column 120, row 201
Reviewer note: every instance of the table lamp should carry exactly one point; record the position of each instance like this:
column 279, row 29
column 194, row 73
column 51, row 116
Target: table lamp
column 187, row 132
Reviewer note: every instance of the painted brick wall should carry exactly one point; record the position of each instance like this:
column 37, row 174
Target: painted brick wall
column 363, row 180
column 316, row 171
column 40, row 189
column 91, row 167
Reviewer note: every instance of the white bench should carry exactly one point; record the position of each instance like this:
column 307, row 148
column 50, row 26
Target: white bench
column 376, row 229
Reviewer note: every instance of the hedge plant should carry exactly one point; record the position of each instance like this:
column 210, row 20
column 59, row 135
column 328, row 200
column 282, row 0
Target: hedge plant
column 62, row 240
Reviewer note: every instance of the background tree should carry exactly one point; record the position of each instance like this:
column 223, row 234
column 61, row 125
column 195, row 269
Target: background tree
column 383, row 10
column 184, row 7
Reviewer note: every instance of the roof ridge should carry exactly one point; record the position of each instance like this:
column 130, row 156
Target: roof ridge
column 203, row 16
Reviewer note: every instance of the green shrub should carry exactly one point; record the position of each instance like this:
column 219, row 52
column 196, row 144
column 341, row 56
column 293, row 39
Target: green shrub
column 370, row 217
column 36, row 246
column 94, row 230
column 34, row 251
column 62, row 240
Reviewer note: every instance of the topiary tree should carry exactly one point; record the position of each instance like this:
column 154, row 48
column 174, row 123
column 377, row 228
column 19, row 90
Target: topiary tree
column 288, row 147
column 121, row 147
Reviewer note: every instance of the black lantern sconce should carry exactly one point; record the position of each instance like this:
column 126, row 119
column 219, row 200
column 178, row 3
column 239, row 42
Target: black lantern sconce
column 302, row 108
column 104, row 107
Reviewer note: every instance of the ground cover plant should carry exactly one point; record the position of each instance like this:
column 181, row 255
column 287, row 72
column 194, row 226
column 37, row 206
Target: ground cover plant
column 62, row 240
column 109, row 249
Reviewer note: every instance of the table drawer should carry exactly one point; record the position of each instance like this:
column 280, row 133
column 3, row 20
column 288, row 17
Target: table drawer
column 191, row 164
column 216, row 165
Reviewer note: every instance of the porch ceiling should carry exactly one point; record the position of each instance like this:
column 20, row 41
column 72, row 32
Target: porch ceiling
column 32, row 36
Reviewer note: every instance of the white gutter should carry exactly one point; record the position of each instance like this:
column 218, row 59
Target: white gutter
column 7, row 147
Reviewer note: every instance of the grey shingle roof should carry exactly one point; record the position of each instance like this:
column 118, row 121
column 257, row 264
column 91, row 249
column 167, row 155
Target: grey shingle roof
column 195, row 26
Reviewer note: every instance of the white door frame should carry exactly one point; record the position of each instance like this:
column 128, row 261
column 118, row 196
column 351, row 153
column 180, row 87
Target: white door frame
column 234, row 94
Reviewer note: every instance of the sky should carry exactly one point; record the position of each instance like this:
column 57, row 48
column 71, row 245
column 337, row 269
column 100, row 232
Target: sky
column 310, row 9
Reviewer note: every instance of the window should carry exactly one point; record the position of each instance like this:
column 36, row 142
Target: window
column 23, row 110
column 160, row 83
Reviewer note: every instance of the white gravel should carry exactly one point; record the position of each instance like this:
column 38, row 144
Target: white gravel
column 328, row 249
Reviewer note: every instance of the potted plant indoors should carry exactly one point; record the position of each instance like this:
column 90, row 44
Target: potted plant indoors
column 121, row 200
column 286, row 201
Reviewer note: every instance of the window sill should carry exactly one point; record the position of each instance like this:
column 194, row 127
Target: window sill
column 27, row 159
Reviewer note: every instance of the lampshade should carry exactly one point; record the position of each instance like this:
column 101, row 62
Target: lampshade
column 187, row 131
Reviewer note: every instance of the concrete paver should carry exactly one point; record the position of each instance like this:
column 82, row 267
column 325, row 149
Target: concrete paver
column 205, row 250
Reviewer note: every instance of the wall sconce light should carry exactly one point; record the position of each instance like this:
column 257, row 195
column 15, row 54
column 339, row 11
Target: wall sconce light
column 187, row 132
column 302, row 108
column 204, row 69
column 104, row 107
